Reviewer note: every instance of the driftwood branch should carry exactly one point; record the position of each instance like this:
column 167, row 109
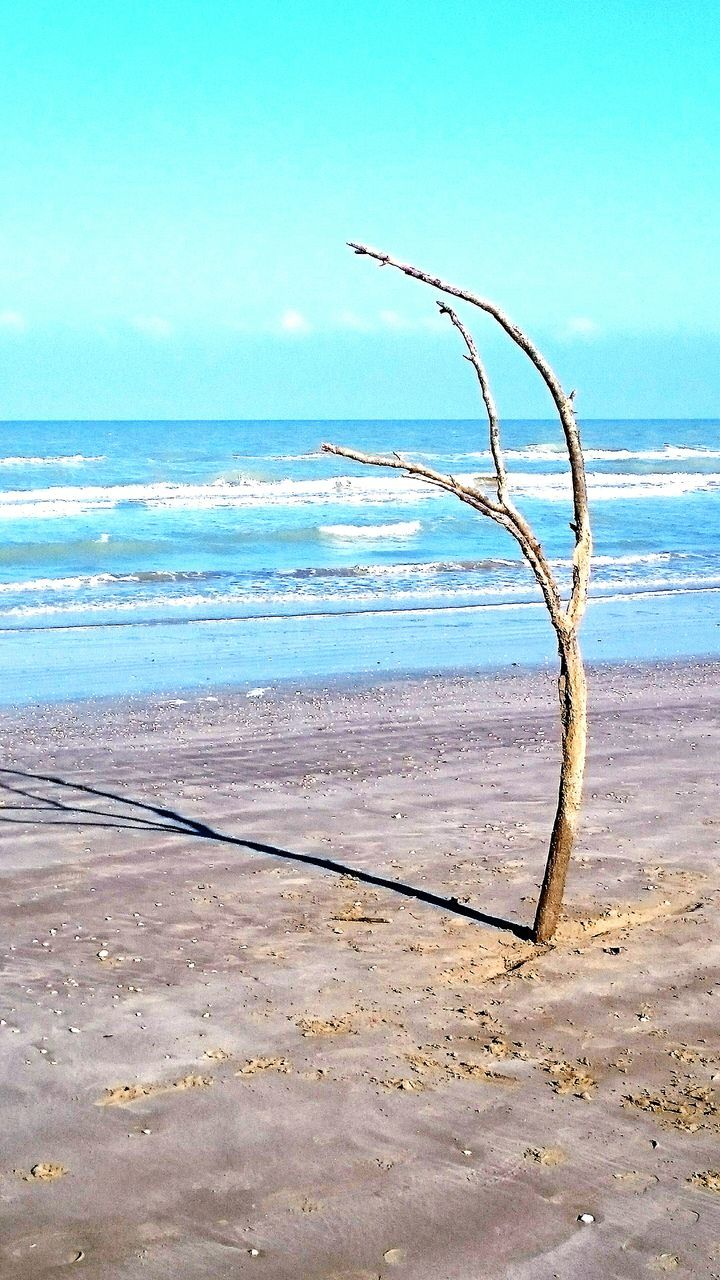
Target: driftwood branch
column 563, row 404
column 502, row 511
column 565, row 620
column 502, row 514
column 488, row 400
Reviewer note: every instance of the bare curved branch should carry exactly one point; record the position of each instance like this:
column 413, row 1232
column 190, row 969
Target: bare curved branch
column 502, row 514
column 488, row 400
column 563, row 404
column 572, row 687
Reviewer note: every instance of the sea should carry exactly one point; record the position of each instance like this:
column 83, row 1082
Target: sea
column 171, row 558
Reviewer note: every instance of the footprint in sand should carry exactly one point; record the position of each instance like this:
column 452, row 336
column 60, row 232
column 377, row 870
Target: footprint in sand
column 334, row 1026
column 569, row 1078
column 549, row 1156
column 707, row 1181
column 125, row 1093
column 254, row 1066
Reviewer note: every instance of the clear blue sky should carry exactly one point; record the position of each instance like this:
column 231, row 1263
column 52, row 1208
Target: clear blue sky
column 178, row 182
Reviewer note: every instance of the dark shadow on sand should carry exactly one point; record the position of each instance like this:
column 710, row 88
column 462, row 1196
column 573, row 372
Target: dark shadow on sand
column 53, row 811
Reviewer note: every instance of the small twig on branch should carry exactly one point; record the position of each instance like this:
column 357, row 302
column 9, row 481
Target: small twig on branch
column 493, row 422
column 501, row 513
column 563, row 404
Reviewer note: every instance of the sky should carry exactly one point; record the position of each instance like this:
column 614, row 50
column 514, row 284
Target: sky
column 179, row 181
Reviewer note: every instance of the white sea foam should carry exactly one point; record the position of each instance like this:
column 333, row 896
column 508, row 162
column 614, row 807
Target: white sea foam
column 255, row 604
column 549, row 451
column 312, row 578
column 557, row 452
column 60, row 501
column 650, row 557
column 76, row 583
column 62, row 460
column 89, row 581
column 244, row 599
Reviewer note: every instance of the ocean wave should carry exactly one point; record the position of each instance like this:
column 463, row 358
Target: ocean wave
column 254, row 602
column 403, row 569
column 649, row 557
column 557, row 452
column 62, row 460
column 84, row 582
column 313, row 575
column 243, row 599
column 349, row 532
column 547, row 451
column 379, row 610
column 62, row 501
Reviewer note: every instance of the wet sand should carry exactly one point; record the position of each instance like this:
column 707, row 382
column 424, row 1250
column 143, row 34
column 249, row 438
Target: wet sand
column 230, row 1047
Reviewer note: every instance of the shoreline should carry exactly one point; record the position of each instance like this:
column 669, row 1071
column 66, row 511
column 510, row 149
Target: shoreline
column 212, row 656
column 243, row 923
column 604, row 675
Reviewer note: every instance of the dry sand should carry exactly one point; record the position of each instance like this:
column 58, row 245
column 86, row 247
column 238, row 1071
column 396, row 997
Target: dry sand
column 222, row 1058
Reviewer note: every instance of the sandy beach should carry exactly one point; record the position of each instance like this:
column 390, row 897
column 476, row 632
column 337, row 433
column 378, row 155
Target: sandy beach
column 269, row 1008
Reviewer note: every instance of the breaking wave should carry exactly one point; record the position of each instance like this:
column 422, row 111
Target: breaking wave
column 62, row 501
column 61, row 460
column 252, row 605
column 349, row 532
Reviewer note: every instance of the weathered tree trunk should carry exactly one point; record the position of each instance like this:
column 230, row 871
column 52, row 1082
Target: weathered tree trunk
column 572, row 688
column 565, row 617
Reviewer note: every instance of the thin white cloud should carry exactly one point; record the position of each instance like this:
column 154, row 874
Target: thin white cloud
column 420, row 324
column 350, row 320
column 152, row 326
column 581, row 327
column 13, row 321
column 294, row 322
column 392, row 320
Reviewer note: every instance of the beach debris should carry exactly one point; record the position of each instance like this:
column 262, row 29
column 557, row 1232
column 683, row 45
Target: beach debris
column 586, row 1218
column 74, row 1031
column 333, row 1026
column 353, row 917
column 125, row 1093
column 399, row 1082
column 549, row 1156
column 78, row 1256
column 44, row 1171
column 689, row 1109
column 394, row 1257
column 254, row 1253
column 257, row 693
column 707, row 1181
column 103, row 954
column 567, row 1078
column 255, row 1065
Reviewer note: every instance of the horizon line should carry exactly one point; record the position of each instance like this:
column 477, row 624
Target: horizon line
column 11, row 422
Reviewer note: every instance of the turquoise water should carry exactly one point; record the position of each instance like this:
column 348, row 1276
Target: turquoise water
column 138, row 557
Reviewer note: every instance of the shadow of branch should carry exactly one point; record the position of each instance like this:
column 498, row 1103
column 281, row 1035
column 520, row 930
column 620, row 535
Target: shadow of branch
column 52, row 810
